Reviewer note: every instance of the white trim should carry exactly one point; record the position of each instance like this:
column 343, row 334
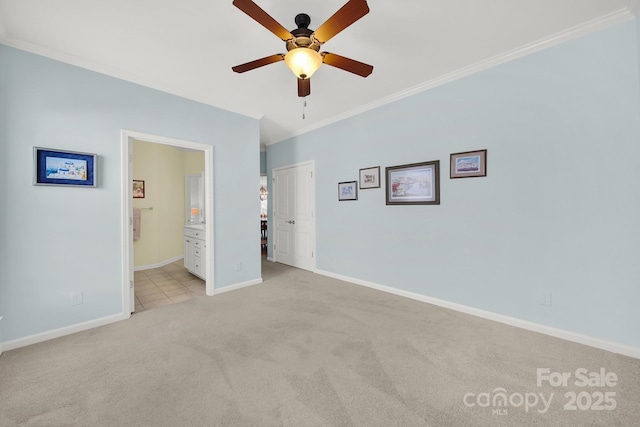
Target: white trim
column 271, row 259
column 57, row 333
column 158, row 139
column 126, row 223
column 294, row 165
column 209, row 233
column 553, row 40
column 79, row 327
column 621, row 15
column 127, row 137
column 238, row 286
column 158, row 265
column 508, row 320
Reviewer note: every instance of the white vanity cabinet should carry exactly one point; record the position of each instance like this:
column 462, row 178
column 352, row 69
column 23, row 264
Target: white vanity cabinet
column 195, row 249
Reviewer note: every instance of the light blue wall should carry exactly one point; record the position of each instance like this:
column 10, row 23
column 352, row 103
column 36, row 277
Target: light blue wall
column 558, row 211
column 638, row 38
column 263, row 163
column 58, row 240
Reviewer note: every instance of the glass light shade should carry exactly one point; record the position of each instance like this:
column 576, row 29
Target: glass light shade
column 303, row 61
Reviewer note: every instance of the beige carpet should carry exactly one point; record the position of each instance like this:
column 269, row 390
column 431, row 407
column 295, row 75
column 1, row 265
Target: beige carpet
column 304, row 350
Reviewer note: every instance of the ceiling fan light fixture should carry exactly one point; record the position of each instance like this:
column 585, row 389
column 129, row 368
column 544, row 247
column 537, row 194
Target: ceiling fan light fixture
column 303, row 45
column 303, row 61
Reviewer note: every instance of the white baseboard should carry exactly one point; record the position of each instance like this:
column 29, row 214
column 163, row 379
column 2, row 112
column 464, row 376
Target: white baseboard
column 160, row 264
column 271, row 259
column 68, row 330
column 237, row 286
column 57, row 333
column 512, row 321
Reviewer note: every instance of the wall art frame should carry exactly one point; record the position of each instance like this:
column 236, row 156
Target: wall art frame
column 347, row 190
column 413, row 184
column 468, row 164
column 138, row 189
column 370, row 178
column 64, row 168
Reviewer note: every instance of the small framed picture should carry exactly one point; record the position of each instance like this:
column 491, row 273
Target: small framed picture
column 370, row 178
column 469, row 164
column 414, row 184
column 60, row 167
column 138, row 189
column 348, row 190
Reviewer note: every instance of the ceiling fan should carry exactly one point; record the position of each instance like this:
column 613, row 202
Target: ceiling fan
column 303, row 45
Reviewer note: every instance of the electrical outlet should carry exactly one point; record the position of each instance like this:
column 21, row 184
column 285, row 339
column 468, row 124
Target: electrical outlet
column 76, row 298
column 238, row 266
column 546, row 299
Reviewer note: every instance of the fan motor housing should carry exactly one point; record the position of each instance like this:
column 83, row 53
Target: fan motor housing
column 302, row 36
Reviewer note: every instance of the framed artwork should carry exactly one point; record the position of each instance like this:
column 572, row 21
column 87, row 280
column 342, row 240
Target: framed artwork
column 348, row 190
column 67, row 168
column 138, row 189
column 414, row 184
column 469, row 164
column 370, row 178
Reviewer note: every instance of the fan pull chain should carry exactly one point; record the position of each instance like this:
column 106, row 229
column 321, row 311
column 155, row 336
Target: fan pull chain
column 304, row 106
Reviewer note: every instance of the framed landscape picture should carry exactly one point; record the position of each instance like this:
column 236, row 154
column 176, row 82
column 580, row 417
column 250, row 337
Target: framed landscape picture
column 469, row 164
column 414, row 184
column 348, row 190
column 67, row 168
column 370, row 178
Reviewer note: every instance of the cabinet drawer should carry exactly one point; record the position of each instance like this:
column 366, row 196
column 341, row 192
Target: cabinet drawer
column 198, row 268
column 190, row 232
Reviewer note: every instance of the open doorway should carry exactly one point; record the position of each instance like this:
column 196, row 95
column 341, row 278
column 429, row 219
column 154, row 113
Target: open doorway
column 128, row 137
column 264, row 208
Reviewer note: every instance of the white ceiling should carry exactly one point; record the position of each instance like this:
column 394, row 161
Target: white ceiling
column 187, row 47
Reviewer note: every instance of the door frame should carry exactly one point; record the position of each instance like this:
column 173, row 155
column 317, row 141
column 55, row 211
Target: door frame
column 127, row 137
column 272, row 230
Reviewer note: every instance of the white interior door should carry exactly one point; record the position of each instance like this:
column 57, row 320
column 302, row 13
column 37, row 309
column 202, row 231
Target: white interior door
column 294, row 216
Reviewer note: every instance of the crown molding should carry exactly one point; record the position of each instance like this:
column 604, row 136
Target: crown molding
column 602, row 22
column 112, row 72
column 630, row 12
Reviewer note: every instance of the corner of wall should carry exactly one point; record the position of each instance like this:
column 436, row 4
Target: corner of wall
column 635, row 9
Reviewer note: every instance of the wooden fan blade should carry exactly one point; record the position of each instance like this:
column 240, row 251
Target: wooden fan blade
column 345, row 16
column 346, row 64
column 258, row 63
column 304, row 87
column 263, row 18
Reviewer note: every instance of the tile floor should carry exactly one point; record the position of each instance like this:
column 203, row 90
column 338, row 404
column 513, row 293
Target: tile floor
column 165, row 285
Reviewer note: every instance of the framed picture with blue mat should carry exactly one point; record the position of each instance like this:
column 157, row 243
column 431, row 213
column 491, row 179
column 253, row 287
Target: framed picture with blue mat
column 66, row 168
